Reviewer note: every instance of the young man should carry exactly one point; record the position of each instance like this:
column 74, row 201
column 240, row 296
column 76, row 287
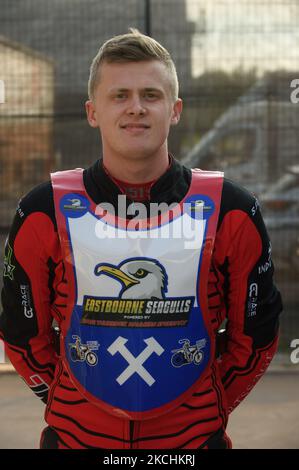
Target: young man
column 138, row 312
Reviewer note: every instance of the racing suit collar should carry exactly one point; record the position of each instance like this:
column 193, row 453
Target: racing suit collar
column 171, row 187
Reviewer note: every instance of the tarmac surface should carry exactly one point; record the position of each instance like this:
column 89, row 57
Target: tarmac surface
column 267, row 419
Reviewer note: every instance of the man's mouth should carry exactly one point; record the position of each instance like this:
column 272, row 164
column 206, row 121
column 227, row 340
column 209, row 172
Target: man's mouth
column 135, row 126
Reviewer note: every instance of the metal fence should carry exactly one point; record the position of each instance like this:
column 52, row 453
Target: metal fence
column 237, row 63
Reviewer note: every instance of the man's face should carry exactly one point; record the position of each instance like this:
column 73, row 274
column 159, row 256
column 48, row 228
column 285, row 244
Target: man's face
column 133, row 108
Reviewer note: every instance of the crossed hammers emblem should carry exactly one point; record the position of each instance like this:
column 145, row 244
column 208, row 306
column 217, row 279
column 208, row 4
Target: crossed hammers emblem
column 135, row 363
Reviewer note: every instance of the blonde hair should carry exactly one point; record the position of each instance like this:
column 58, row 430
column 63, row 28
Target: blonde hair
column 132, row 47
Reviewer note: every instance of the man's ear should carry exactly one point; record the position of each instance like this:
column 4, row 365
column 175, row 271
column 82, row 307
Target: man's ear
column 176, row 111
column 91, row 113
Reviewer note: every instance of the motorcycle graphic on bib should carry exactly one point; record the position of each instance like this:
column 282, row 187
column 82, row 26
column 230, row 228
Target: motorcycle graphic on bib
column 188, row 354
column 137, row 299
column 82, row 352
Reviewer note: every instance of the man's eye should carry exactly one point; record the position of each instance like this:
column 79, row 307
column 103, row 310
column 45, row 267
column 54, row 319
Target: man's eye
column 120, row 96
column 151, row 96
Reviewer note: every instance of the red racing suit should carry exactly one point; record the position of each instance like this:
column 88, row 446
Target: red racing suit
column 240, row 292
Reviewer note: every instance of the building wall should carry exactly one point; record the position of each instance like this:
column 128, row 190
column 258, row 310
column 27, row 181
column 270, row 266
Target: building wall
column 26, row 124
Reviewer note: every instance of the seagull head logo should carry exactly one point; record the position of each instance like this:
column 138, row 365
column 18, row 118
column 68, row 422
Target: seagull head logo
column 141, row 278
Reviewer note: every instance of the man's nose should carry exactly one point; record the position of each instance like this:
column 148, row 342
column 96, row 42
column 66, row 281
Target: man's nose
column 136, row 106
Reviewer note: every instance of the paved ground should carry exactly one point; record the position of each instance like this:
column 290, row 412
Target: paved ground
column 21, row 414
column 268, row 418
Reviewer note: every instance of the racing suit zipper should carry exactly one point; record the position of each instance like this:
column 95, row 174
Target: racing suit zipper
column 131, row 434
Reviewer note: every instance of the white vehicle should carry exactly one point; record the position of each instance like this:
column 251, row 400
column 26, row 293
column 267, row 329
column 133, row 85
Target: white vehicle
column 252, row 142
